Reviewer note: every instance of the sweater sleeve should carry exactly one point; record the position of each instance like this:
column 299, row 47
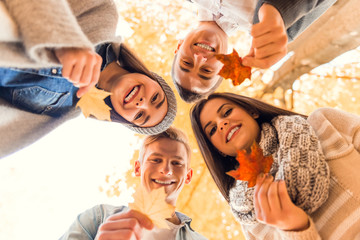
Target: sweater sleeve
column 267, row 232
column 338, row 131
column 299, row 13
column 301, row 163
column 46, row 24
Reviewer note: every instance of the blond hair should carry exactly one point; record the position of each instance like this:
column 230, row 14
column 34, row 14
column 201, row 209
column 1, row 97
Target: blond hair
column 171, row 133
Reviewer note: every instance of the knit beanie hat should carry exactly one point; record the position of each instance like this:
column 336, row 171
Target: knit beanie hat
column 161, row 126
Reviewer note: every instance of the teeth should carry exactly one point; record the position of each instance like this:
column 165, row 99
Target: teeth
column 163, row 182
column 204, row 46
column 231, row 133
column 131, row 94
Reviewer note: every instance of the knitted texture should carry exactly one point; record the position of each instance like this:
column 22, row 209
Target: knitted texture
column 160, row 127
column 339, row 217
column 298, row 159
column 56, row 24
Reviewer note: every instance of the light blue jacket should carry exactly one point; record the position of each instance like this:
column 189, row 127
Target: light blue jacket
column 86, row 225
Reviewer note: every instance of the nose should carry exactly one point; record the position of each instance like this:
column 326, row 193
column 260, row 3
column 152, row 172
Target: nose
column 166, row 169
column 141, row 102
column 223, row 124
column 199, row 58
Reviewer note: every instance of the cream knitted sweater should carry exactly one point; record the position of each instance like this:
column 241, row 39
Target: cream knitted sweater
column 48, row 24
column 43, row 25
column 339, row 217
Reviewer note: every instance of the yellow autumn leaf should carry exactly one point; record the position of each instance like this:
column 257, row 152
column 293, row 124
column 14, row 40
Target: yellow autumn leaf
column 92, row 103
column 153, row 205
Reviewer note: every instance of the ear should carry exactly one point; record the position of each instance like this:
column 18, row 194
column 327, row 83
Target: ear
column 189, row 176
column 178, row 46
column 137, row 169
column 255, row 115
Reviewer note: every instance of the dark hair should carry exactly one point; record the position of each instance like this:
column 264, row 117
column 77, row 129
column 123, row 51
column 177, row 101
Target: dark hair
column 188, row 95
column 131, row 63
column 216, row 162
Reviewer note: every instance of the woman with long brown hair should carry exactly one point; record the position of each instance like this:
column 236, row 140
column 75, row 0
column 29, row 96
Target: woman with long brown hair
column 54, row 64
column 291, row 201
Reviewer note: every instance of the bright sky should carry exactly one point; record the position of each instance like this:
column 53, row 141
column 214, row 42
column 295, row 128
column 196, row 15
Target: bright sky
column 45, row 186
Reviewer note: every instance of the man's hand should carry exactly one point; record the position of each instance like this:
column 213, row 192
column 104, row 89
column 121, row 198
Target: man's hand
column 80, row 66
column 274, row 207
column 269, row 43
column 124, row 226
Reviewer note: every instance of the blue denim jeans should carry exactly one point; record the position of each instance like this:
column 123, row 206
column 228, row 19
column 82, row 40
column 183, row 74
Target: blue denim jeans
column 41, row 91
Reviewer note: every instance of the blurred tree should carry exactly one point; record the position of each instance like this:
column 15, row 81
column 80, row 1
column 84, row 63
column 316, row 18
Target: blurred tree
column 157, row 26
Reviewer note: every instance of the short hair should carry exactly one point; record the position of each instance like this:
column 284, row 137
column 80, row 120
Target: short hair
column 188, row 95
column 171, row 133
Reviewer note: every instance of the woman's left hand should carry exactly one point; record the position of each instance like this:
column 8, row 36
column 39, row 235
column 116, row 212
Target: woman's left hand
column 274, row 207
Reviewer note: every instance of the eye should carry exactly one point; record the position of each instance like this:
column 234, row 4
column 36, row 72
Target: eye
column 153, row 99
column 176, row 163
column 187, row 63
column 212, row 131
column 227, row 112
column 139, row 115
column 206, row 70
column 155, row 160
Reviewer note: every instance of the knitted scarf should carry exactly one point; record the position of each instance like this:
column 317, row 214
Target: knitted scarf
column 298, row 159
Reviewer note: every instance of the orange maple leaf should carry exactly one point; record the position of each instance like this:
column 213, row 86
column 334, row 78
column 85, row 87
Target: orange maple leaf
column 153, row 205
column 251, row 165
column 233, row 68
column 92, row 103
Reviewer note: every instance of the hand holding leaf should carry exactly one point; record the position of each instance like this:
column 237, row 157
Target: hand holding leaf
column 251, row 165
column 233, row 68
column 153, row 205
column 92, row 103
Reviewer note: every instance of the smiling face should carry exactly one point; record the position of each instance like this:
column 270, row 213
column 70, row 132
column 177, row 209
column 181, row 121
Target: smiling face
column 165, row 164
column 195, row 65
column 139, row 99
column 228, row 126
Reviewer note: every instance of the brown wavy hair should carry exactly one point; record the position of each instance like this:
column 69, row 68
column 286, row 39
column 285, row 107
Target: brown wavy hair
column 216, row 162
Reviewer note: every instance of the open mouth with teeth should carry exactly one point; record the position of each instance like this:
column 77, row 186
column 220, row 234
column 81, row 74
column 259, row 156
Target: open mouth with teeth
column 205, row 46
column 232, row 132
column 169, row 182
column 131, row 94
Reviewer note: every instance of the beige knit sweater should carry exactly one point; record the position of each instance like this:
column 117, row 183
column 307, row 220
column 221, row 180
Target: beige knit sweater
column 48, row 24
column 339, row 217
column 44, row 25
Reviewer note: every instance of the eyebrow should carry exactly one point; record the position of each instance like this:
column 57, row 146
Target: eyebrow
column 184, row 69
column 219, row 109
column 160, row 103
column 160, row 155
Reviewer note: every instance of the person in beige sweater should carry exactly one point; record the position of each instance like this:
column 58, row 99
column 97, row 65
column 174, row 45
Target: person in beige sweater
column 315, row 193
column 65, row 48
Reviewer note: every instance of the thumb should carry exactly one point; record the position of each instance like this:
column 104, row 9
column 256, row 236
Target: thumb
column 285, row 199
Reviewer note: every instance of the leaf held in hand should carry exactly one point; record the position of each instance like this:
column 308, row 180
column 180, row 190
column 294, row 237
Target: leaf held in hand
column 251, row 165
column 153, row 205
column 233, row 68
column 92, row 103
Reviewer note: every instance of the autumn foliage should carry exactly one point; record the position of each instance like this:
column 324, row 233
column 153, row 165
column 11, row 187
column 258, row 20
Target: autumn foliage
column 92, row 103
column 251, row 165
column 233, row 68
column 153, row 205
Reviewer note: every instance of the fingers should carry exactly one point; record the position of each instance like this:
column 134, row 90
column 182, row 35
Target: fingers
column 143, row 220
column 284, row 197
column 80, row 66
column 269, row 39
column 124, row 225
column 261, row 200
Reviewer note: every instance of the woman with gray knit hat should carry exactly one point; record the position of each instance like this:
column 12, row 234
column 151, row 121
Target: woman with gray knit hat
column 68, row 46
column 316, row 162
